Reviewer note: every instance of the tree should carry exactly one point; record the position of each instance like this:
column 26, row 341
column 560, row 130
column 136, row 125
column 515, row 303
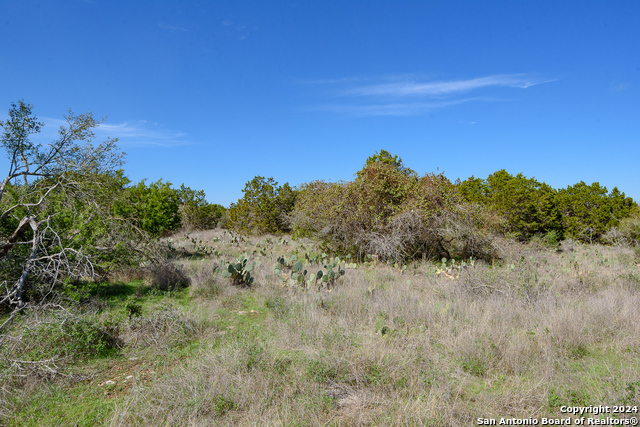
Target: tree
column 588, row 211
column 196, row 212
column 391, row 212
column 263, row 208
column 153, row 208
column 47, row 198
column 528, row 206
column 384, row 157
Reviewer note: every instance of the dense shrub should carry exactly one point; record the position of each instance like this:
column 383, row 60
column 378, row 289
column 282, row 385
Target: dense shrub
column 356, row 216
column 628, row 230
column 468, row 230
column 153, row 208
column 582, row 212
column 166, row 276
column 263, row 208
column 196, row 213
column 388, row 211
column 528, row 206
column 589, row 211
column 158, row 208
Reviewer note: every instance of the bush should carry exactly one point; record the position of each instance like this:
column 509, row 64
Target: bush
column 391, row 212
column 318, row 212
column 163, row 327
column 630, row 227
column 528, row 206
column 468, row 230
column 354, row 217
column 263, row 208
column 166, row 276
column 48, row 338
column 196, row 213
column 589, row 211
column 153, row 208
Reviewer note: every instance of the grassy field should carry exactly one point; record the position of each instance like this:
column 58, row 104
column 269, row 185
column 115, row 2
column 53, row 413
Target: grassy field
column 426, row 344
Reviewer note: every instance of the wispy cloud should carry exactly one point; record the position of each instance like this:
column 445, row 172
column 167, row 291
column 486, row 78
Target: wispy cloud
column 239, row 29
column 134, row 133
column 392, row 109
column 619, row 87
column 399, row 97
column 447, row 87
column 173, row 28
column 142, row 133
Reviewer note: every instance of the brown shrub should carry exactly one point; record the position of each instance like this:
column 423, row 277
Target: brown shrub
column 394, row 215
column 163, row 327
column 166, row 276
column 466, row 231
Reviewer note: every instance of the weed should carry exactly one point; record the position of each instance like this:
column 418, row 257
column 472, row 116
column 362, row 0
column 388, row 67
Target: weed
column 320, row 371
column 577, row 351
column 133, row 307
column 553, row 399
column 632, row 393
column 474, row 365
column 279, row 306
column 375, row 374
column 221, row 405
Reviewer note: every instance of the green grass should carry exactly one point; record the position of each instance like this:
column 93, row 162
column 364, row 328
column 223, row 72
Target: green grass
column 56, row 405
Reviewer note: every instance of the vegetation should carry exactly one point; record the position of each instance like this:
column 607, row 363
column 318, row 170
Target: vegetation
column 160, row 209
column 263, row 208
column 397, row 299
column 529, row 208
column 433, row 343
column 391, row 212
column 588, row 211
column 53, row 206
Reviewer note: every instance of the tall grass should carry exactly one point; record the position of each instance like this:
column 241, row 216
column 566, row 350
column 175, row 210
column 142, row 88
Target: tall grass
column 415, row 347
column 422, row 345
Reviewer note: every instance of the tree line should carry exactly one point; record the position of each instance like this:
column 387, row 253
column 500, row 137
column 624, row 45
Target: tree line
column 390, row 210
column 68, row 212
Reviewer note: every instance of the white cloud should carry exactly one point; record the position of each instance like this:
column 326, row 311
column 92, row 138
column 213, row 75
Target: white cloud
column 240, row 31
column 433, row 93
column 134, row 133
column 439, row 88
column 392, row 109
column 141, row 133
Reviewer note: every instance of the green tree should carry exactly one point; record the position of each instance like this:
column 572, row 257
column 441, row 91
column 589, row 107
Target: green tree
column 384, row 157
column 385, row 211
column 528, row 206
column 153, row 208
column 196, row 212
column 474, row 190
column 588, row 211
column 47, row 196
column 263, row 207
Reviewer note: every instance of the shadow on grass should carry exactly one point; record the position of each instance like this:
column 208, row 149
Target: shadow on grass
column 118, row 290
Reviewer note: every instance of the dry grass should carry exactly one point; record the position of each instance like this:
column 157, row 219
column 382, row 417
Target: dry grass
column 164, row 327
column 424, row 345
column 408, row 347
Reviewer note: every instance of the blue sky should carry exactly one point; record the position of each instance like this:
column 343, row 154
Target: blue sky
column 213, row 93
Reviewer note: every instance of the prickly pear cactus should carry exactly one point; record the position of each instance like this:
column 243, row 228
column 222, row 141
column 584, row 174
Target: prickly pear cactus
column 240, row 272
